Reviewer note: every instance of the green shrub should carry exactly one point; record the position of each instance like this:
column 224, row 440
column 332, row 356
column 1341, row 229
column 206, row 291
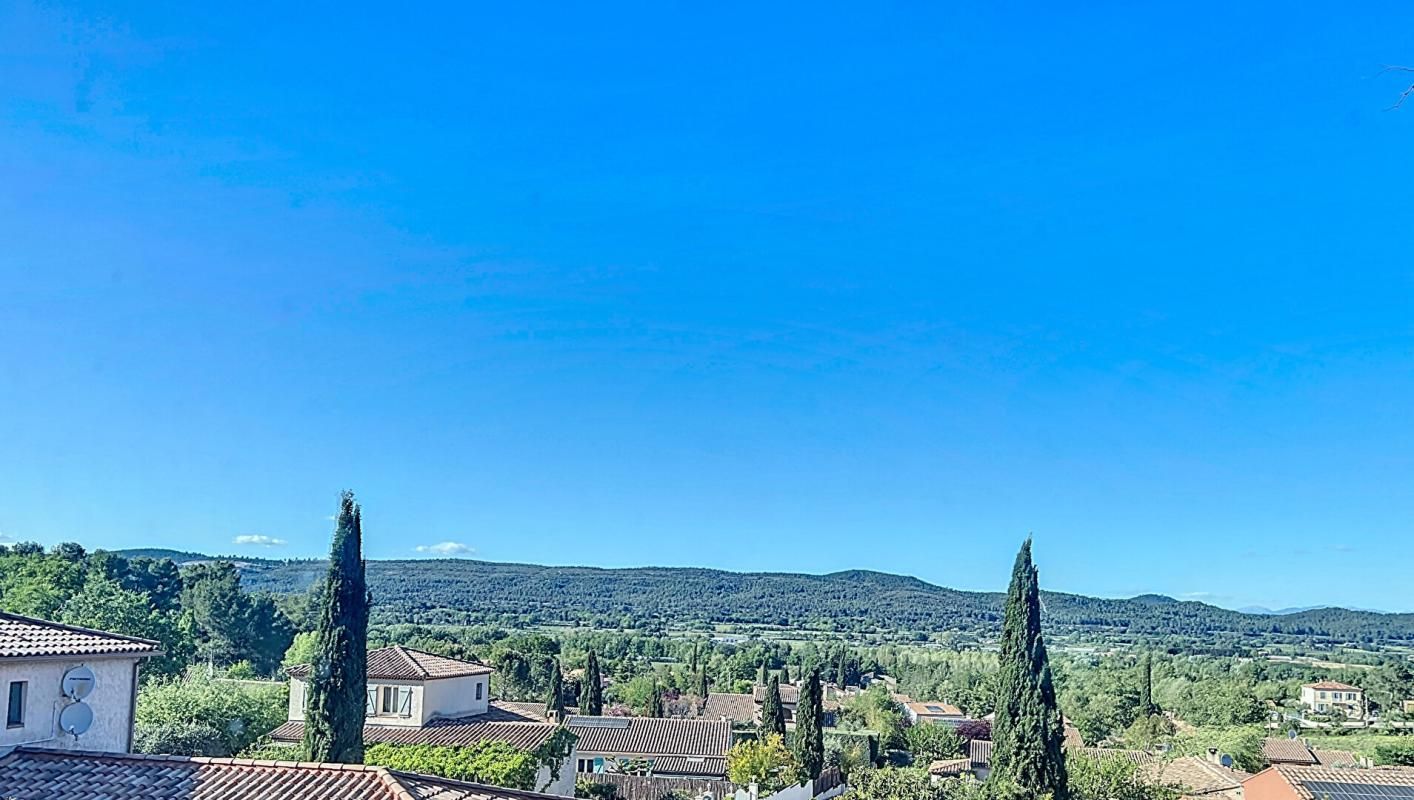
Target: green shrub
column 1397, row 753
column 180, row 738
column 496, row 763
column 239, row 714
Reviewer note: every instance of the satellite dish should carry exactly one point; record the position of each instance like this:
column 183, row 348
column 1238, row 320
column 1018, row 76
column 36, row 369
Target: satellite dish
column 76, row 719
column 79, row 683
column 1226, row 761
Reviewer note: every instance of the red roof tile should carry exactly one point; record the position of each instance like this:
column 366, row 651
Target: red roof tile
column 27, row 637
column 652, row 736
column 398, row 663
column 29, row 774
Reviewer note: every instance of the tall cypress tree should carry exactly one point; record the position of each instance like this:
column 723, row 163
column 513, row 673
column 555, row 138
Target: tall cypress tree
column 842, row 668
column 1147, row 707
column 809, row 742
column 773, row 713
column 338, row 680
column 555, row 702
column 655, row 702
column 763, row 673
column 702, row 684
column 1028, row 732
column 593, row 702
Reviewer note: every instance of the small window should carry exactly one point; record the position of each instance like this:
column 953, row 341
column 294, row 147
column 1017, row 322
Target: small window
column 390, row 700
column 478, row 690
column 15, row 713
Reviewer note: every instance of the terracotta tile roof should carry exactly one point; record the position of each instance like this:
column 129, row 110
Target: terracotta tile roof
column 1194, row 775
column 689, row 765
column 950, row 767
column 1310, row 783
column 651, row 736
column 1332, row 686
column 934, row 709
column 398, row 663
column 75, row 775
column 457, row 732
column 511, row 711
column 27, row 637
column 735, row 707
column 1287, row 751
column 1337, row 758
column 789, row 694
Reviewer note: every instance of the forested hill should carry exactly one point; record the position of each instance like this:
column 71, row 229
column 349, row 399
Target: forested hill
column 466, row 591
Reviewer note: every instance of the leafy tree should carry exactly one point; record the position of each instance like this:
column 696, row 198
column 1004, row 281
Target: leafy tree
column 766, row 762
column 971, row 729
column 908, row 783
column 773, row 712
column 105, row 605
column 338, row 679
column 655, row 702
column 1398, row 753
column 181, row 739
column 555, row 704
column 494, row 762
column 1147, row 732
column 1112, row 779
column 1028, row 732
column 932, row 742
column 592, row 703
column 195, row 715
column 1243, row 743
column 809, row 726
column 230, row 624
column 875, row 710
column 302, row 650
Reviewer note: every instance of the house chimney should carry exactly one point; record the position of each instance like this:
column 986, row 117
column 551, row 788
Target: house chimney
column 1214, row 756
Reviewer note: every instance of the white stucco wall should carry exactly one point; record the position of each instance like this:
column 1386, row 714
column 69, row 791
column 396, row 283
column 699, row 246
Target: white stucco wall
column 562, row 784
column 111, row 701
column 299, row 688
column 455, row 697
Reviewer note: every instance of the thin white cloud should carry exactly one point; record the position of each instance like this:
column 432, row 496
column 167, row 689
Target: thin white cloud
column 446, row 549
column 258, row 540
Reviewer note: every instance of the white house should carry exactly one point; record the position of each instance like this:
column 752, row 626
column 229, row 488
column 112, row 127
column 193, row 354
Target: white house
column 411, row 688
column 416, row 697
column 1325, row 697
column 67, row 687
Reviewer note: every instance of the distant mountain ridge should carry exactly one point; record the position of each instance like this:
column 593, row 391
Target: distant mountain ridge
column 465, row 591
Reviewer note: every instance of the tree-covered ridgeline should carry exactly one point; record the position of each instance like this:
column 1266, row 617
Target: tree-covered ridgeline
column 468, row 592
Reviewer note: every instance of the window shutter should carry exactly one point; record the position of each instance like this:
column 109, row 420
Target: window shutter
column 372, row 708
column 406, row 708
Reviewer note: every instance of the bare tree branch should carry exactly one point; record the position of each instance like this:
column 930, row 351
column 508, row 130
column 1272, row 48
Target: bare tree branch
column 1407, row 92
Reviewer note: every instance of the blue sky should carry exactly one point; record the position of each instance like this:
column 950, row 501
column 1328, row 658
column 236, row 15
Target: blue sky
column 791, row 288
